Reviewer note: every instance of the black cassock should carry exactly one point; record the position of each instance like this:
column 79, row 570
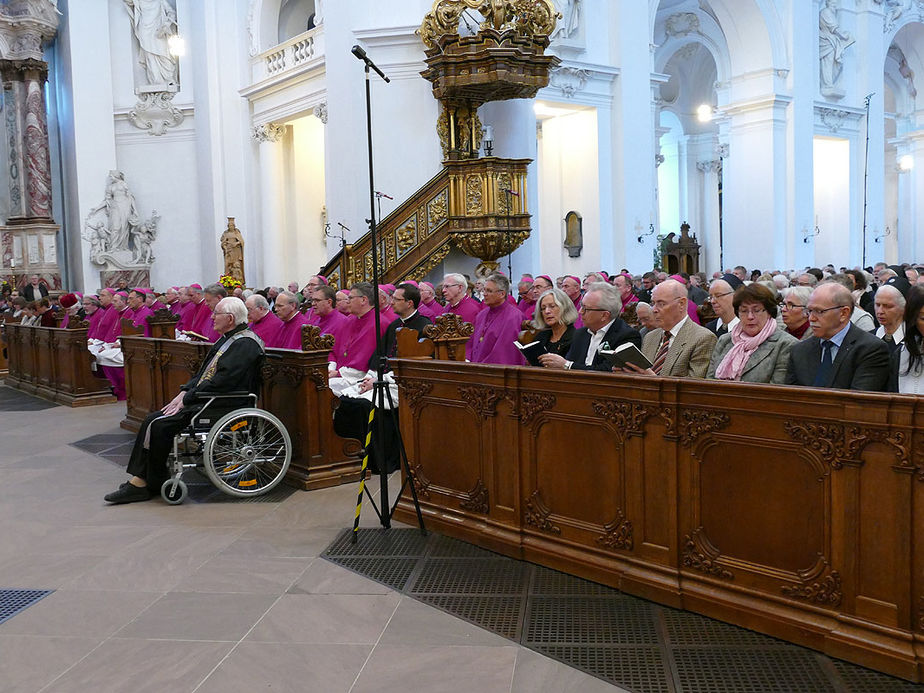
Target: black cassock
column 235, row 370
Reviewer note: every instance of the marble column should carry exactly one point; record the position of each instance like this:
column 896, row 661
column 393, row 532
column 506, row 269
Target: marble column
column 27, row 132
column 272, row 211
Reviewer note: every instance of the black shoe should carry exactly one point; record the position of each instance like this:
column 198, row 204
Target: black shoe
column 128, row 494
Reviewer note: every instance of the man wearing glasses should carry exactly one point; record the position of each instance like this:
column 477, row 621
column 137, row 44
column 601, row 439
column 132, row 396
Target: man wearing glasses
column 455, row 288
column 232, row 364
column 839, row 354
column 721, row 296
column 603, row 329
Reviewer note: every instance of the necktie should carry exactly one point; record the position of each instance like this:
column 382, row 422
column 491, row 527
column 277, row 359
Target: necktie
column 824, row 370
column 889, row 340
column 662, row 353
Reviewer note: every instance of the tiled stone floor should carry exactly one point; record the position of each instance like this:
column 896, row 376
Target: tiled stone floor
column 210, row 596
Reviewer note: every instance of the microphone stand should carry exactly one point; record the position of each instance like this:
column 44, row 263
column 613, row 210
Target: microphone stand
column 380, row 387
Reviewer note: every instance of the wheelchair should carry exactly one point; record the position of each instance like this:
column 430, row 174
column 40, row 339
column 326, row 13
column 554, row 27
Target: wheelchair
column 244, row 451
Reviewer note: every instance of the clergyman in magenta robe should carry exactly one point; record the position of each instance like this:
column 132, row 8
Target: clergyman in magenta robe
column 496, row 328
column 429, row 306
column 263, row 322
column 290, row 332
column 359, row 342
column 455, row 287
column 330, row 320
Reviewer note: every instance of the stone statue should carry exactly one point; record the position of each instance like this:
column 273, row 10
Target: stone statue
column 232, row 245
column 114, row 228
column 832, row 42
column 154, row 22
column 143, row 238
column 571, row 17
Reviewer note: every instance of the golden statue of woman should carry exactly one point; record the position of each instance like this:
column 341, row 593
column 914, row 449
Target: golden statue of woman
column 232, row 245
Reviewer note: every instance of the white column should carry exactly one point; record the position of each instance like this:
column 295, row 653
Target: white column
column 802, row 27
column 910, row 195
column 634, row 154
column 754, row 184
column 708, row 232
column 272, row 205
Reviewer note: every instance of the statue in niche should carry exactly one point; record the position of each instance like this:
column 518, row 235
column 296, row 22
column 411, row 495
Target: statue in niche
column 574, row 234
column 232, row 245
column 154, row 22
column 832, row 43
column 114, row 228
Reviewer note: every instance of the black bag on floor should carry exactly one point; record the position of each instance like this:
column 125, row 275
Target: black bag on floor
column 351, row 420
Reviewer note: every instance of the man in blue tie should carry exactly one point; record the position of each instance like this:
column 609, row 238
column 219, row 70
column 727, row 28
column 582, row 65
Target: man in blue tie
column 839, row 354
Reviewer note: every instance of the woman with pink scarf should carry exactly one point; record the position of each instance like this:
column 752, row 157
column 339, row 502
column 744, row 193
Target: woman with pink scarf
column 757, row 348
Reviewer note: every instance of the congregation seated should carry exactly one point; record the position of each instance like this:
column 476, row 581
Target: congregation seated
column 497, row 327
column 603, row 329
column 231, row 365
column 721, row 296
column 263, row 322
column 44, row 312
column 793, row 311
column 289, row 335
column 678, row 346
column 757, row 348
column 890, row 313
column 839, row 354
column 908, row 362
column 554, row 320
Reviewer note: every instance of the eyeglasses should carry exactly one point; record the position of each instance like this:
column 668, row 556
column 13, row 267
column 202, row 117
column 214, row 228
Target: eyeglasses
column 585, row 309
column 318, row 300
column 751, row 311
column 820, row 311
column 222, row 314
column 792, row 306
column 352, row 297
column 716, row 297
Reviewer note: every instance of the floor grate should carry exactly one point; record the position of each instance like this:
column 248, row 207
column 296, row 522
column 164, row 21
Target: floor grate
column 14, row 400
column 630, row 642
column 14, row 601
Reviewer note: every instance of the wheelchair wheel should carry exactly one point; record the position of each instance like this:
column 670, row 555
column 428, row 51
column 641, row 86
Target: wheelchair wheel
column 174, row 491
column 247, row 452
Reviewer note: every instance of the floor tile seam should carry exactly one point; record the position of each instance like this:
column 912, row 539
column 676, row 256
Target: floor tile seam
column 75, row 664
column 376, row 644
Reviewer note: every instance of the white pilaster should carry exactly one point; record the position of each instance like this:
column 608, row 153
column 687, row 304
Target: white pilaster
column 272, row 209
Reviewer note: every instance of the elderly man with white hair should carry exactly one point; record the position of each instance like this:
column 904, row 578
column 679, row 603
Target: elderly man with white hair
column 232, row 364
column 455, row 290
column 890, row 312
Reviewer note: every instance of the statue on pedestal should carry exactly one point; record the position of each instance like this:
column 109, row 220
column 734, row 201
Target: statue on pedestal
column 114, row 228
column 232, row 246
column 832, row 43
column 154, row 22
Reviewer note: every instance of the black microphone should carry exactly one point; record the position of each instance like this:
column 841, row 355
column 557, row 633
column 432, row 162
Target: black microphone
column 359, row 52
column 512, row 192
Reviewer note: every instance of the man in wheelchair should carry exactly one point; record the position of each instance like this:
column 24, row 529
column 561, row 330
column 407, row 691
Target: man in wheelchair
column 231, row 365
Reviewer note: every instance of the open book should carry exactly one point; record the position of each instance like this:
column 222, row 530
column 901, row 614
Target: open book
column 531, row 352
column 623, row 354
column 195, row 336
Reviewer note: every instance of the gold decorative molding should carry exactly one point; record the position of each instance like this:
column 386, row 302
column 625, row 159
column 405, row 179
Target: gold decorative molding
column 535, row 18
column 313, row 340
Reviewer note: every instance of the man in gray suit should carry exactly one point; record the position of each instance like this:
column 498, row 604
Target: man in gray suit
column 839, row 354
column 679, row 347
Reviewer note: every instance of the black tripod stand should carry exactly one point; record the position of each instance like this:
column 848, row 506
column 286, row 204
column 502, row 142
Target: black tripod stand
column 380, row 387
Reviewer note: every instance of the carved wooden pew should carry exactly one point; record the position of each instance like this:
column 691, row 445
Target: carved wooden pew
column 54, row 363
column 294, row 389
column 797, row 512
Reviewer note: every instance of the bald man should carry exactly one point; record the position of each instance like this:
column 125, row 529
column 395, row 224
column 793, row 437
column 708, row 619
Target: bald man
column 678, row 347
column 839, row 354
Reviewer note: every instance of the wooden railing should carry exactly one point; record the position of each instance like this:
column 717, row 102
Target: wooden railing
column 466, row 205
column 54, row 364
column 294, row 389
column 797, row 512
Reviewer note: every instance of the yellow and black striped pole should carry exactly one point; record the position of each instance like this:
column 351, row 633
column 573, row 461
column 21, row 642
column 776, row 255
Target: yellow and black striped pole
column 362, row 477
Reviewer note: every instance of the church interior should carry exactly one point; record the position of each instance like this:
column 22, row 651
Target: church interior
column 176, row 162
